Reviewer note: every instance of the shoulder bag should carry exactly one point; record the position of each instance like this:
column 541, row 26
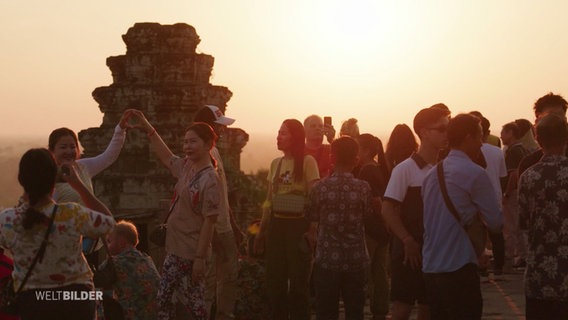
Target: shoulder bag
column 9, row 303
column 476, row 230
column 158, row 235
column 292, row 203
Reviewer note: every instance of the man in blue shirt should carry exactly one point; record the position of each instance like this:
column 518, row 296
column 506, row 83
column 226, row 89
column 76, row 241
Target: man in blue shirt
column 449, row 259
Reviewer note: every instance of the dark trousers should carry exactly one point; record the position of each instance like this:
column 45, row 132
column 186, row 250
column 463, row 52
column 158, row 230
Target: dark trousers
column 331, row 286
column 455, row 295
column 537, row 309
column 33, row 307
column 288, row 266
column 498, row 244
column 378, row 280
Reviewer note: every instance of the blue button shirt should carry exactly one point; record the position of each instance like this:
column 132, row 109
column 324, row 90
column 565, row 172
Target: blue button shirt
column 447, row 247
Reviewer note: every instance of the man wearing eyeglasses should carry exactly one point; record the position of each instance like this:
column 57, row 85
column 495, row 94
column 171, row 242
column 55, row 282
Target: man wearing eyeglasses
column 454, row 194
column 403, row 213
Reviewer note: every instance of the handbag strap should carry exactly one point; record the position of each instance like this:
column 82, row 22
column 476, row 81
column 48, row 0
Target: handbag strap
column 40, row 253
column 171, row 208
column 442, row 182
column 195, row 177
column 275, row 182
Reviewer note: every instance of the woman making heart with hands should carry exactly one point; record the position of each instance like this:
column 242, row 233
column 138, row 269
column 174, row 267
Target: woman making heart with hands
column 191, row 222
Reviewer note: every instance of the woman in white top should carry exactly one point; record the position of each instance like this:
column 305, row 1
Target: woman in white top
column 61, row 268
column 64, row 146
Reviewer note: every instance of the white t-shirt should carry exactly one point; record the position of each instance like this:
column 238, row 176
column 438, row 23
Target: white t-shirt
column 406, row 174
column 496, row 168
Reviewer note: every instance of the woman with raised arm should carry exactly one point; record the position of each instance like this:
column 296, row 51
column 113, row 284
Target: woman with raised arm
column 289, row 240
column 58, row 267
column 190, row 224
column 64, row 146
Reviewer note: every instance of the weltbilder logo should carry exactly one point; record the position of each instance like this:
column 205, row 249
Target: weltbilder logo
column 61, row 295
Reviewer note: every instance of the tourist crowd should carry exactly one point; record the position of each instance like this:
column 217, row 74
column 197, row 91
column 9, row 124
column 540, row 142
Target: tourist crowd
column 414, row 225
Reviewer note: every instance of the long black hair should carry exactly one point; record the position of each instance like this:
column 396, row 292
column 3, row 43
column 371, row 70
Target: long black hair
column 401, row 145
column 36, row 174
column 375, row 146
column 298, row 145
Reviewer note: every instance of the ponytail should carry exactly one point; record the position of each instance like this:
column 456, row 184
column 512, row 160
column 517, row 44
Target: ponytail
column 32, row 216
column 36, row 174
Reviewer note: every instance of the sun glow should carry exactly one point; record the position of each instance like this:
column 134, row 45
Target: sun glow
column 352, row 36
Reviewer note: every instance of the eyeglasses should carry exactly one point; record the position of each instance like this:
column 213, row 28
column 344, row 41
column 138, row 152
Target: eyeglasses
column 441, row 129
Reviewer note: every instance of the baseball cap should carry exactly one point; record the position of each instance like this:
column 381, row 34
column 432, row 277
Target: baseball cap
column 219, row 116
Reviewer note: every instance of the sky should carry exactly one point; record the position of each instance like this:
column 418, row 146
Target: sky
column 377, row 61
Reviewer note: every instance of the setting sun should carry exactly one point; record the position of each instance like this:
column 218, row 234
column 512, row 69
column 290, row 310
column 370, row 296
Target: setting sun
column 378, row 61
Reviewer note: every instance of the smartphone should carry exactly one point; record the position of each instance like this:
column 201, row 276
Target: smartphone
column 327, row 121
column 63, row 170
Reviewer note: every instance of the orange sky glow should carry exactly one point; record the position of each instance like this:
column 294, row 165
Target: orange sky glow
column 378, row 61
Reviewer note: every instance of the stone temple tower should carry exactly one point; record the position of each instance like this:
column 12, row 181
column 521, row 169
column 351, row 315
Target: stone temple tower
column 163, row 76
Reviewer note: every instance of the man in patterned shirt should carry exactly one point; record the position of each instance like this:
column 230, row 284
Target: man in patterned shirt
column 339, row 204
column 137, row 280
column 543, row 202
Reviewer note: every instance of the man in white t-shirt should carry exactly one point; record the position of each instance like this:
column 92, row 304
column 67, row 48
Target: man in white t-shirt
column 403, row 213
column 497, row 172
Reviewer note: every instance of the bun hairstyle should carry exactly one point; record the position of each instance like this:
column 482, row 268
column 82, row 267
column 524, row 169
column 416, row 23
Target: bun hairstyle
column 349, row 128
column 36, row 174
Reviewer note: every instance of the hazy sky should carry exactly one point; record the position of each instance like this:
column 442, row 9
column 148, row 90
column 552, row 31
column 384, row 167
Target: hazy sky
column 378, row 61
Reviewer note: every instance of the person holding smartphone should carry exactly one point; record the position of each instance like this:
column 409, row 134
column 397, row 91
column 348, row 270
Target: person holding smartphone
column 60, row 267
column 316, row 129
column 64, row 146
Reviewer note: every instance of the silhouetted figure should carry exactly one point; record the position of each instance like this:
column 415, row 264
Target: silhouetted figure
column 402, row 210
column 544, row 215
column 450, row 261
column 284, row 235
column 341, row 254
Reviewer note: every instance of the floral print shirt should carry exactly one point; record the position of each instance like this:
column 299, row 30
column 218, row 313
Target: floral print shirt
column 63, row 263
column 543, row 202
column 137, row 283
column 339, row 203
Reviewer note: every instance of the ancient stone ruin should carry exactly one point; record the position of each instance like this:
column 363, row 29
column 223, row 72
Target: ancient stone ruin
column 162, row 75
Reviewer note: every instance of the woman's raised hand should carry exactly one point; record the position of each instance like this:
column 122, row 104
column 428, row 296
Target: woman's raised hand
column 124, row 124
column 140, row 121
